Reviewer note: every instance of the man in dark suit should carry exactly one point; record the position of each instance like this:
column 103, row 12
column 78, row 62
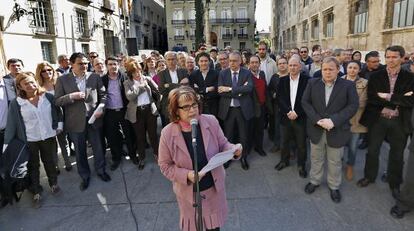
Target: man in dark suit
column 293, row 117
column 235, row 86
column 170, row 78
column 387, row 115
column 204, row 81
column 80, row 93
column 329, row 104
column 257, row 124
column 114, row 118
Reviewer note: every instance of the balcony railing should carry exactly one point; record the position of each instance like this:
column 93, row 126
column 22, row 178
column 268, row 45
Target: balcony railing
column 179, row 37
column 191, row 21
column 178, row 21
column 221, row 20
column 108, row 6
column 243, row 36
column 43, row 31
column 227, row 36
column 192, row 37
column 242, row 20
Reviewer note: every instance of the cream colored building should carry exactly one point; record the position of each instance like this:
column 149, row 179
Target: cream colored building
column 231, row 23
column 359, row 24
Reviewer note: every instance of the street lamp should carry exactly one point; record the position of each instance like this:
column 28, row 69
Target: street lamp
column 18, row 12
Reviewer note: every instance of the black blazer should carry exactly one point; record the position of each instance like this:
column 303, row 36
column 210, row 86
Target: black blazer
column 272, row 101
column 343, row 104
column 121, row 78
column 283, row 93
column 200, row 84
column 243, row 92
column 379, row 82
column 166, row 86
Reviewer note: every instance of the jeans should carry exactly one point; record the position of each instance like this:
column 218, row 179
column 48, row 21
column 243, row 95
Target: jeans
column 352, row 148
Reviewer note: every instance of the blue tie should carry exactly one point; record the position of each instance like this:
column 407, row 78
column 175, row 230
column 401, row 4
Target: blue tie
column 236, row 102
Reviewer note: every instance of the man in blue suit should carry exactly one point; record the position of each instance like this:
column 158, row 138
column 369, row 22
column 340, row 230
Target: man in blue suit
column 235, row 86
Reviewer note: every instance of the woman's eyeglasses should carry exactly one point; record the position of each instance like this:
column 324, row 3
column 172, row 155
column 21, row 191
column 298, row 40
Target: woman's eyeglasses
column 47, row 70
column 188, row 107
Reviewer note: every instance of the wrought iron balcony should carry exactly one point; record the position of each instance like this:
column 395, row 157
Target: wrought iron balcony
column 179, row 37
column 178, row 21
column 191, row 21
column 227, row 36
column 242, row 20
column 243, row 36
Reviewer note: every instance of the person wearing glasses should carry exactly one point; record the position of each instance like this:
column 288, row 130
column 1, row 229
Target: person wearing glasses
column 176, row 158
column 46, row 77
column 92, row 56
column 304, row 55
column 79, row 93
column 142, row 94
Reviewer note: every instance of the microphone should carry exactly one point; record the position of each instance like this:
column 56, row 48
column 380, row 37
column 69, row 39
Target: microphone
column 194, row 123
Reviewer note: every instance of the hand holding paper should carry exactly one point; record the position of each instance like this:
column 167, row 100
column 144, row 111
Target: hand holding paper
column 221, row 158
column 97, row 113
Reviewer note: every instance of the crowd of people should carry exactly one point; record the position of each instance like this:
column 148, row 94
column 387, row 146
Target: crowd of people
column 314, row 104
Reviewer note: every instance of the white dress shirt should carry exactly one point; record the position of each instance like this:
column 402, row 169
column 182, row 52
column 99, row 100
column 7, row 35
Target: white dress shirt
column 174, row 76
column 3, row 105
column 143, row 98
column 293, row 91
column 37, row 120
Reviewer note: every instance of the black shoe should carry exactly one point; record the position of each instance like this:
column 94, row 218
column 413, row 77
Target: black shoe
column 57, row 170
column 68, row 167
column 244, row 163
column 227, row 164
column 135, row 161
column 4, row 201
column 141, row 164
column 115, row 165
column 397, row 212
column 275, row 149
column 84, row 184
column 364, row 182
column 72, row 152
column 363, row 145
column 105, row 177
column 260, row 152
column 302, row 172
column 395, row 192
column 281, row 165
column 335, row 195
column 310, row 188
column 384, row 177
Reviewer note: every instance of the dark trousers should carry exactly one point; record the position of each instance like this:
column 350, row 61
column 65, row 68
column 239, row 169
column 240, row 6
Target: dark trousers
column 146, row 123
column 257, row 130
column 79, row 139
column 1, row 141
column 210, row 106
column 393, row 131
column 116, row 128
column 47, row 149
column 63, row 144
column 294, row 130
column 406, row 198
column 234, row 124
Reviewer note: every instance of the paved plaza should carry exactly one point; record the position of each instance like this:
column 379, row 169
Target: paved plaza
column 259, row 199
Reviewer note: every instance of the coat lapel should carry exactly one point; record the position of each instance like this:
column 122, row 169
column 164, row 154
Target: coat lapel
column 321, row 88
column 335, row 90
column 72, row 82
column 205, row 132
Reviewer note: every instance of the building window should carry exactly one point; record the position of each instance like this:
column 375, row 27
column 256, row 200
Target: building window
column 305, row 31
column 294, row 34
column 242, row 12
column 403, row 13
column 47, row 52
column 41, row 16
column 315, row 28
column 85, row 48
column 192, row 14
column 329, row 24
column 179, row 31
column 82, row 22
column 359, row 17
column 138, row 34
column 226, row 31
column 226, row 13
column 226, row 44
column 178, row 14
column 305, row 3
column 242, row 46
column 242, row 30
column 212, row 14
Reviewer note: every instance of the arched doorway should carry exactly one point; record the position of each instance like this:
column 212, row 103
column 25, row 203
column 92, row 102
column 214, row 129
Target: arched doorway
column 213, row 39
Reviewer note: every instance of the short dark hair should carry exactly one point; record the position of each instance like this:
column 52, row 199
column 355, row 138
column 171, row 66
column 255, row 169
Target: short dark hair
column 356, row 62
column 111, row 58
column 202, row 54
column 304, row 47
column 76, row 55
column 14, row 60
column 315, row 47
column 396, row 48
column 253, row 56
column 371, row 54
column 295, row 48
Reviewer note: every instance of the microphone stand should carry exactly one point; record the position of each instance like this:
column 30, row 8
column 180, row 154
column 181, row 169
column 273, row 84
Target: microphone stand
column 197, row 196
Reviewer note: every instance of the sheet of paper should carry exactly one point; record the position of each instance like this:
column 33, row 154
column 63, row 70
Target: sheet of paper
column 98, row 109
column 218, row 159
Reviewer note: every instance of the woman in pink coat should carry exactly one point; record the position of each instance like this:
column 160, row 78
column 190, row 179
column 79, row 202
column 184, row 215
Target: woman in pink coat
column 176, row 160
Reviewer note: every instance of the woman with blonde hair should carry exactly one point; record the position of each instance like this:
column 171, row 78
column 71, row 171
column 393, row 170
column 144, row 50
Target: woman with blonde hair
column 46, row 76
column 34, row 119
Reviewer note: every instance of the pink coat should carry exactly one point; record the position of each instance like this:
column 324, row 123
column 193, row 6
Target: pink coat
column 175, row 161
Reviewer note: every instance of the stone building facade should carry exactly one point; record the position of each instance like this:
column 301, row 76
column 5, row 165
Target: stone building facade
column 359, row 24
column 231, row 23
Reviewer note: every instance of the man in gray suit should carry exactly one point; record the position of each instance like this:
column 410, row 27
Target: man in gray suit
column 79, row 93
column 235, row 86
column 329, row 104
column 170, row 78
